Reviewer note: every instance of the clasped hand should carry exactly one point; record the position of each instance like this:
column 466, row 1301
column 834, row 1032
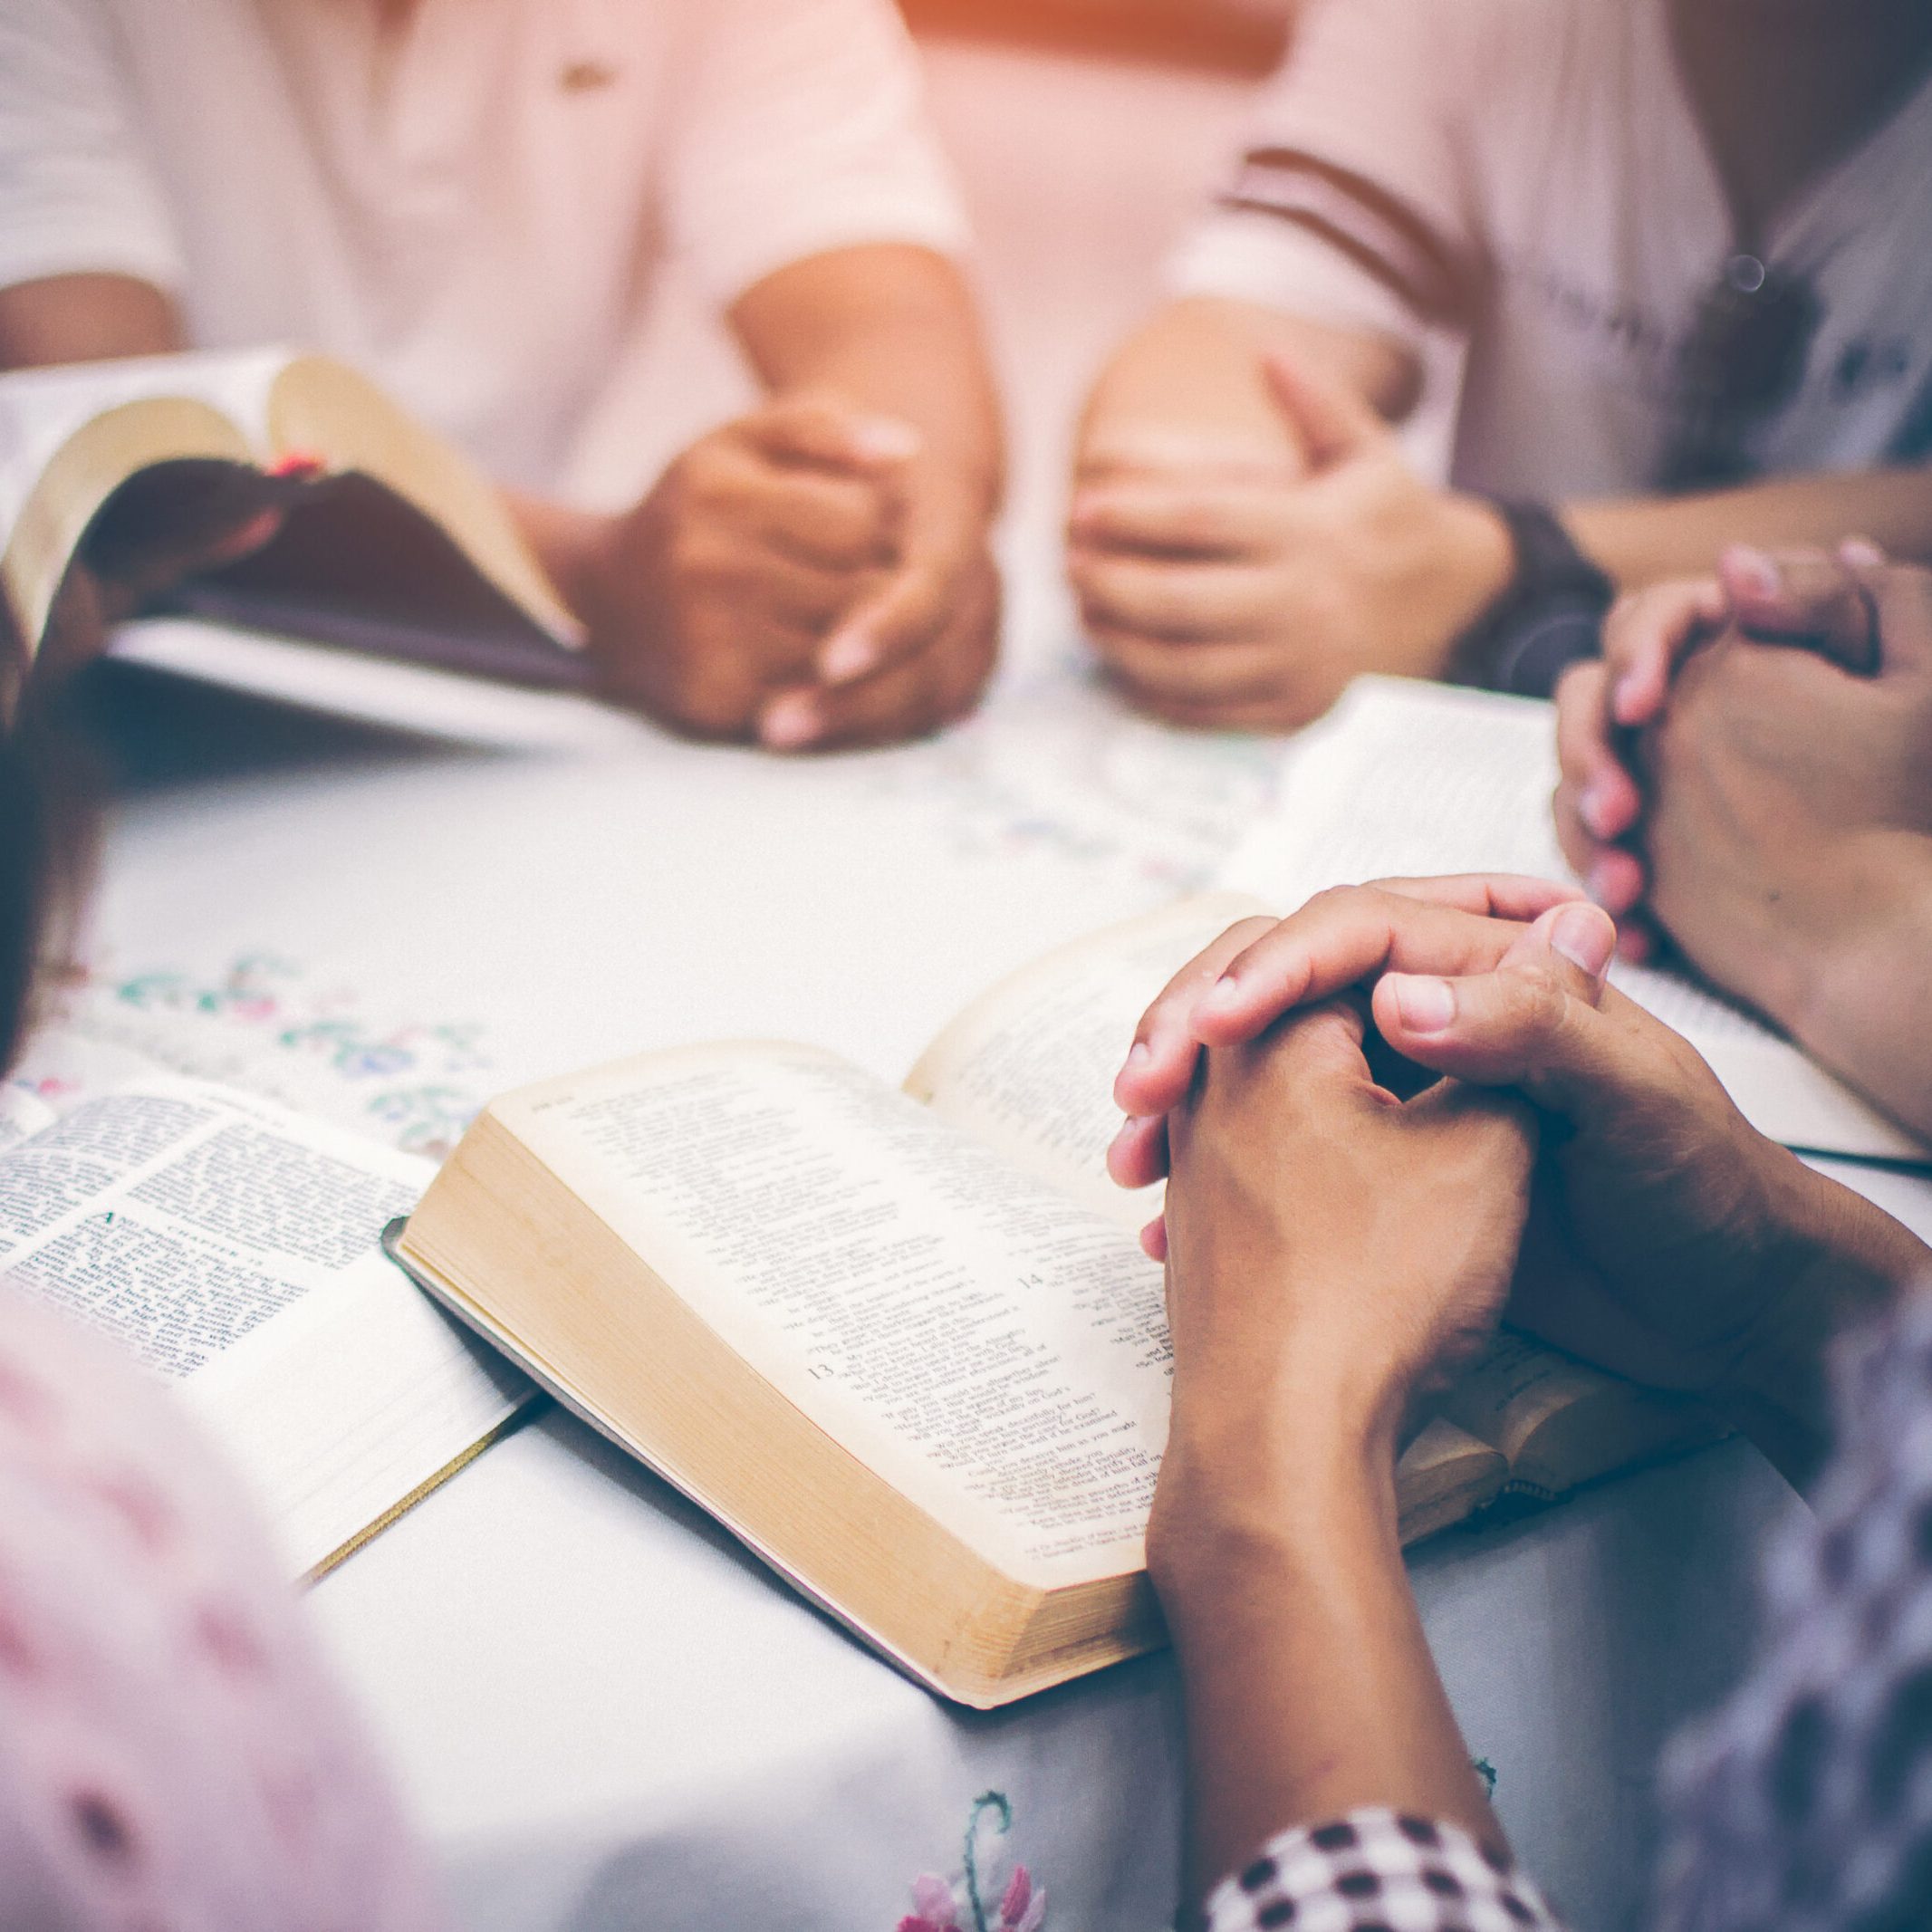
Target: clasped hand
column 802, row 576
column 1245, row 595
column 1331, row 1246
column 1735, row 742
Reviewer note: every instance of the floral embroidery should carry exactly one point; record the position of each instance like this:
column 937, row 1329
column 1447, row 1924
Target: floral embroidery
column 942, row 1905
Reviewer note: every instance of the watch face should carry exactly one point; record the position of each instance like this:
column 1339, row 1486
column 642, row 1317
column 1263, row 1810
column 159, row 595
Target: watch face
column 1532, row 656
column 1550, row 615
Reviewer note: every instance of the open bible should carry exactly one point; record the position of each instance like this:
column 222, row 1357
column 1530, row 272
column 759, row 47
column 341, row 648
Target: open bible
column 391, row 543
column 233, row 1248
column 1406, row 779
column 903, row 1342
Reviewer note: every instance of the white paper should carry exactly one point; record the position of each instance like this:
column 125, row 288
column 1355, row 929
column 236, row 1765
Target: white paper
column 1406, row 779
column 1028, row 1069
column 998, row 1355
column 232, row 1249
column 41, row 409
column 416, row 698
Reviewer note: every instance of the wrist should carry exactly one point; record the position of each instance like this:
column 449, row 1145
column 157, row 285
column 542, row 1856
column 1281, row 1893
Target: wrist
column 1546, row 613
column 1473, row 568
column 1831, row 1260
column 949, row 507
column 1865, row 963
column 1256, row 1492
column 575, row 547
column 1483, row 554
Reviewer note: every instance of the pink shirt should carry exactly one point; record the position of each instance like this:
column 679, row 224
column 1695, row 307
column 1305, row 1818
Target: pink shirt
column 173, row 1751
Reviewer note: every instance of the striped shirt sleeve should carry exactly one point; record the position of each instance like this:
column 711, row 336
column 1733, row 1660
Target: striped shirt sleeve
column 1351, row 200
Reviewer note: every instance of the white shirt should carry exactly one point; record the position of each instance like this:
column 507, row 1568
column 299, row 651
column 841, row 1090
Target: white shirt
column 1530, row 174
column 467, row 208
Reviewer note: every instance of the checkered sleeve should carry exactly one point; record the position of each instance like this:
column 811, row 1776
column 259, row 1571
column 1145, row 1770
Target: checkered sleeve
column 1379, row 1868
column 1806, row 1799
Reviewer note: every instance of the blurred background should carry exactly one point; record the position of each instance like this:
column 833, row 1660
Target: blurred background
column 1230, row 34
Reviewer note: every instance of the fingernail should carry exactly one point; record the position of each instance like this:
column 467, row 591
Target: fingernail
column 1138, row 1056
column 885, row 438
column 1423, row 1005
column 1751, row 571
column 1585, row 937
column 1860, row 553
column 788, row 722
column 1623, row 699
column 1219, row 1000
column 1154, row 1239
column 847, row 654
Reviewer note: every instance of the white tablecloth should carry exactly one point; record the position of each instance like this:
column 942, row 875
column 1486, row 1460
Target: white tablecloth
column 605, row 1714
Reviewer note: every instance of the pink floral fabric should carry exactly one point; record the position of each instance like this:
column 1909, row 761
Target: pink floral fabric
column 173, row 1752
column 975, row 1901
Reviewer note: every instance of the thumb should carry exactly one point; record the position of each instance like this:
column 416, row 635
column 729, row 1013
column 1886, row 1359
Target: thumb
column 1333, row 421
column 886, row 626
column 818, row 429
column 1902, row 601
column 1534, row 1021
column 1803, row 598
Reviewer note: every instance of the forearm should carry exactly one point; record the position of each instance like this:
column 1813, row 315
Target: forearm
column 84, row 317
column 569, row 542
column 1308, row 1682
column 1861, row 1006
column 1844, row 1261
column 892, row 329
column 1188, row 385
column 1642, row 540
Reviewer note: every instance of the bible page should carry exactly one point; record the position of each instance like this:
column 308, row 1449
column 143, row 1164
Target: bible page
column 21, row 1115
column 233, row 1249
column 41, row 409
column 1560, row 1423
column 993, row 1352
column 1028, row 1068
column 1406, row 779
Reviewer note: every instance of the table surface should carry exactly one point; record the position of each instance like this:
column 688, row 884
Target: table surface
column 604, row 1713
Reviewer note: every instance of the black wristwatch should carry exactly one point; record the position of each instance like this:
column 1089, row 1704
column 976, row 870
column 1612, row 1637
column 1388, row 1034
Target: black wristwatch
column 1550, row 617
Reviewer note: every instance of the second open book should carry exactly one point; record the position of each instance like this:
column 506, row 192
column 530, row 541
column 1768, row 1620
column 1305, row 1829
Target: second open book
column 1409, row 778
column 904, row 1343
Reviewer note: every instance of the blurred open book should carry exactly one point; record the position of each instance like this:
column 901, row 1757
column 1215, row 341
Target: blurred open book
column 392, row 543
column 903, row 1342
column 232, row 1247
column 1406, row 780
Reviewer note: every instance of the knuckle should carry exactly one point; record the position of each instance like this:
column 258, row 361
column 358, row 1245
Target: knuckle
column 708, row 469
column 1534, row 1007
column 711, row 712
column 1249, row 931
column 695, row 556
column 1579, row 691
column 1339, row 901
column 1568, row 820
column 706, row 693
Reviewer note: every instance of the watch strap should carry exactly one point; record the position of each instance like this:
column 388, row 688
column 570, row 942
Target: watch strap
column 1549, row 617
